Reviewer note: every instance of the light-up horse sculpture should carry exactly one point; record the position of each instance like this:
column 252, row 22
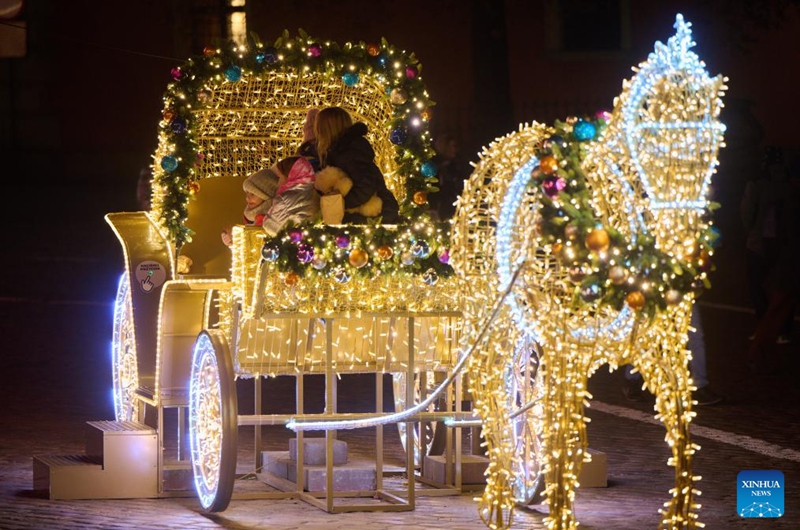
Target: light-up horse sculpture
column 607, row 220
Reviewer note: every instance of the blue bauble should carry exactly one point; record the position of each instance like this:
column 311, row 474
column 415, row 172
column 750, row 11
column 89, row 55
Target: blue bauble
column 350, row 79
column 178, row 125
column 421, row 249
column 270, row 55
column 716, row 237
column 270, row 252
column 554, row 139
column 584, row 130
column 341, row 275
column 429, row 169
column 430, row 277
column 233, row 73
column 169, row 163
column 398, row 136
column 260, row 56
column 591, row 292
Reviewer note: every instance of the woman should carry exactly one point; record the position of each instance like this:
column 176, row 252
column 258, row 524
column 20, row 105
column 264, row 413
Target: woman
column 342, row 144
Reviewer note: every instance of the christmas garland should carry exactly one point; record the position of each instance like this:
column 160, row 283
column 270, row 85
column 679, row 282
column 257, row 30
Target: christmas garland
column 364, row 251
column 606, row 267
column 176, row 170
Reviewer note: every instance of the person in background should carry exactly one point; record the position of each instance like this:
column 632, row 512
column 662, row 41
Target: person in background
column 783, row 283
column 451, row 172
column 343, row 144
column 759, row 209
column 143, row 188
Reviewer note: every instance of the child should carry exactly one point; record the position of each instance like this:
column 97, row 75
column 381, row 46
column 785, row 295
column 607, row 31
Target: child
column 296, row 200
column 259, row 190
column 342, row 144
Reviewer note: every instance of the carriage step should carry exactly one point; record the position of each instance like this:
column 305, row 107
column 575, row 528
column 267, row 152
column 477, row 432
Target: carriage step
column 353, row 476
column 121, row 462
column 314, row 451
column 593, row 474
column 472, row 469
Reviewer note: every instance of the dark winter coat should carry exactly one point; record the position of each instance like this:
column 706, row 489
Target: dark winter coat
column 353, row 154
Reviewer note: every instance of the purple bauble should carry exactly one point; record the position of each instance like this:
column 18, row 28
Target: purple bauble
column 411, row 72
column 602, row 114
column 305, row 253
column 176, row 73
column 342, row 241
column 295, row 236
column 315, row 50
column 553, row 185
column 444, row 256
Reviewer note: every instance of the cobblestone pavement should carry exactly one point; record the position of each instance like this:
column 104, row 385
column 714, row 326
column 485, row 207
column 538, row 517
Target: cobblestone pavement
column 55, row 318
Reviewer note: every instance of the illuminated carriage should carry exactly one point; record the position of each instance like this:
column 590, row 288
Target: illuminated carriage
column 192, row 315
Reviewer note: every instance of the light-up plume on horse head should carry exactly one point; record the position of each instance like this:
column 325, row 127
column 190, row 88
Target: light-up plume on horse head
column 663, row 137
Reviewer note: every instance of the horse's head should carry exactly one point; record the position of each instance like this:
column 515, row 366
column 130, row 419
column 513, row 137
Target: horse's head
column 663, row 137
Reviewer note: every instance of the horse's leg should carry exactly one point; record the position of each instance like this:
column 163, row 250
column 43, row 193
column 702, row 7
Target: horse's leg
column 488, row 386
column 665, row 369
column 566, row 372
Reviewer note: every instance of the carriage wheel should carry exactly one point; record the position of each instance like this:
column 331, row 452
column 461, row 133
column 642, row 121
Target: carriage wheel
column 525, row 386
column 124, row 370
column 429, row 437
column 213, row 421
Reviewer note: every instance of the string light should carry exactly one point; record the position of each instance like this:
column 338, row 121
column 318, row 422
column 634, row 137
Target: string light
column 601, row 211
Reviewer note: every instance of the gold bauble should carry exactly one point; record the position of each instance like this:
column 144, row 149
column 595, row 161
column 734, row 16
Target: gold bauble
column 358, row 257
column 169, row 114
column 673, row 297
column 398, row 96
column 549, row 164
column 373, row 49
column 193, row 187
column 635, row 300
column 557, row 247
column 385, row 252
column 597, row 240
column 420, row 198
column 426, row 114
column 617, row 274
column 704, row 260
column 291, row 278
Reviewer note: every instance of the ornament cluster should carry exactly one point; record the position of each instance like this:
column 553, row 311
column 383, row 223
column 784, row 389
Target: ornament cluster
column 360, row 251
column 604, row 266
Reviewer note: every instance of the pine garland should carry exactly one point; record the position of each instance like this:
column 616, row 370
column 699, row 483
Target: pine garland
column 607, row 268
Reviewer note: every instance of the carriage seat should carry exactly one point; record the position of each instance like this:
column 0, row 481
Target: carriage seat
column 218, row 204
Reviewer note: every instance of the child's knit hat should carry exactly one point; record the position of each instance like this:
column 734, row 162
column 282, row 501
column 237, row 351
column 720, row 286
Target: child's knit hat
column 263, row 184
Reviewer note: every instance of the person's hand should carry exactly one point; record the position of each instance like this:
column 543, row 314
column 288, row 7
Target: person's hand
column 226, row 238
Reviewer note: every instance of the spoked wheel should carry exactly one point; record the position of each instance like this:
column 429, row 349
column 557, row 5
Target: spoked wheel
column 428, row 437
column 525, row 393
column 125, row 373
column 213, row 421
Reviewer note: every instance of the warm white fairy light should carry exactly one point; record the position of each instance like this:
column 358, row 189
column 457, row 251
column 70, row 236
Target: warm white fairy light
column 648, row 174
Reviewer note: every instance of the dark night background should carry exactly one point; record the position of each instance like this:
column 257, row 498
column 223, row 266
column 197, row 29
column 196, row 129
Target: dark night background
column 79, row 112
